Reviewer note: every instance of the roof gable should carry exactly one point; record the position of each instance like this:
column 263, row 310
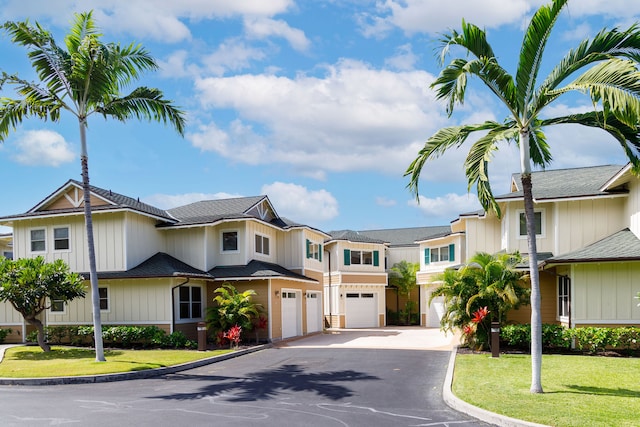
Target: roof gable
column 207, row 211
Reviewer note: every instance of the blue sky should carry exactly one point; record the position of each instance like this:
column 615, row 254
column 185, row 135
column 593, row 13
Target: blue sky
column 319, row 104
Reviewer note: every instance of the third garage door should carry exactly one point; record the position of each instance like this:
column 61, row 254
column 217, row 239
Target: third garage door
column 361, row 310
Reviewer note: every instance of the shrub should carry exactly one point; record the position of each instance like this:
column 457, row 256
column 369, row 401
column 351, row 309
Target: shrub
column 519, row 336
column 592, row 339
column 3, row 334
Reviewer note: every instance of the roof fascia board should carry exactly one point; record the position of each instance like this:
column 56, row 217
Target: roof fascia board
column 96, row 212
column 616, row 177
column 250, row 278
column 566, row 199
column 456, row 234
column 62, row 190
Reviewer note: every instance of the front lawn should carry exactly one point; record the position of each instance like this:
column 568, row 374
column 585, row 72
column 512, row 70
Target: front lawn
column 579, row 390
column 32, row 362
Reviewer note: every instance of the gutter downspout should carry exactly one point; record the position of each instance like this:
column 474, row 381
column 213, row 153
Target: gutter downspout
column 330, row 294
column 173, row 303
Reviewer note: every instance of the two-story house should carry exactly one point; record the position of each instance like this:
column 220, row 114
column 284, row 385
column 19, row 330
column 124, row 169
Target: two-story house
column 587, row 228
column 161, row 267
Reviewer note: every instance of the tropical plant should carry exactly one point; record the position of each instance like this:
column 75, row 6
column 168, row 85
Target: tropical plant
column 480, row 292
column 85, row 79
column 604, row 67
column 31, row 284
column 234, row 335
column 232, row 308
column 402, row 276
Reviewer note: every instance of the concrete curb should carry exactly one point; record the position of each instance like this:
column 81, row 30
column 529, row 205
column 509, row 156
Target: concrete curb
column 123, row 376
column 474, row 411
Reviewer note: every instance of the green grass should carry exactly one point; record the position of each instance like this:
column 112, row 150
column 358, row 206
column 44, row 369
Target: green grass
column 578, row 390
column 32, row 362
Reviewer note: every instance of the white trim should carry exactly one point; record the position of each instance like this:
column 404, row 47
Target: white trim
column 31, row 241
column 614, row 178
column 93, row 212
column 56, row 313
column 262, row 237
column 564, row 199
column 606, row 322
column 203, row 299
column 108, row 310
column 221, row 234
column 543, row 225
column 248, row 279
column 53, row 238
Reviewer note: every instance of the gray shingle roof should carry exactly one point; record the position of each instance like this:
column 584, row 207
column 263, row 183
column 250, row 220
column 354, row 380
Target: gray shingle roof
column 620, row 246
column 255, row 269
column 353, row 236
column 214, row 210
column 407, row 236
column 159, row 265
column 566, row 183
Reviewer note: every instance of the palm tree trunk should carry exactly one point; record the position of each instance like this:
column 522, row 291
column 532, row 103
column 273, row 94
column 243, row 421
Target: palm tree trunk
column 93, row 271
column 536, row 319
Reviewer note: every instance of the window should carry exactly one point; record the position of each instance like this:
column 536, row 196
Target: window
column 440, row 254
column 8, row 254
column 61, row 238
column 229, row 241
column 190, row 302
column 38, row 240
column 57, row 306
column 361, row 257
column 537, row 218
column 314, row 250
column 104, row 298
column 564, row 296
column 262, row 244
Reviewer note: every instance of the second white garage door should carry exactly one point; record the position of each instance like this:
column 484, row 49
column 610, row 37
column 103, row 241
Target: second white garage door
column 361, row 310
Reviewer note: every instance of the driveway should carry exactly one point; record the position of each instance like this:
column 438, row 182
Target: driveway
column 381, row 377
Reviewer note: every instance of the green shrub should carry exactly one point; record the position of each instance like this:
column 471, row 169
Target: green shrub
column 3, row 334
column 592, row 339
column 627, row 339
column 519, row 336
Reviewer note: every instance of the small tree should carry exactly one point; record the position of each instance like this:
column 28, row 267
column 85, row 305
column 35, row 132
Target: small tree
column 402, row 276
column 30, row 284
column 232, row 308
column 480, row 292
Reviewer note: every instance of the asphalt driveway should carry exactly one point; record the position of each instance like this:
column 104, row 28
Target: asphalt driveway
column 381, row 377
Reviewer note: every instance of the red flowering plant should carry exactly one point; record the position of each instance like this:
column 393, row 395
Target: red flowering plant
column 233, row 335
column 260, row 323
column 475, row 333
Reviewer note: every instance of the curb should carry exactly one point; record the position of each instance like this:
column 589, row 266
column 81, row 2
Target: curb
column 479, row 413
column 124, row 376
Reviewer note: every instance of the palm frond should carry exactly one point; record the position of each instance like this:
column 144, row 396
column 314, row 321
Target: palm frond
column 533, row 45
column 144, row 103
column 437, row 145
column 82, row 27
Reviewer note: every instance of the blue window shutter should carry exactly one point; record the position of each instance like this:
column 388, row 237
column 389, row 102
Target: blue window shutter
column 308, row 249
column 320, row 253
column 347, row 257
column 427, row 255
column 452, row 252
column 376, row 258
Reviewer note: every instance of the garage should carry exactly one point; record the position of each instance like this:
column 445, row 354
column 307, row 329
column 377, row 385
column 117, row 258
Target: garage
column 361, row 310
column 291, row 313
column 314, row 312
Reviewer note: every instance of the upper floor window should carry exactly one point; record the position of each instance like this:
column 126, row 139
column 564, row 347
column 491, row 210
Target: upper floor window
column 537, row 219
column 61, row 238
column 314, row 250
column 440, row 254
column 229, row 241
column 262, row 244
column 361, row 257
column 190, row 302
column 564, row 296
column 38, row 240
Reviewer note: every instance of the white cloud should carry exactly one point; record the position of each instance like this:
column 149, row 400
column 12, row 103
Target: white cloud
column 231, row 55
column 300, row 204
column 385, row 202
column 43, row 147
column 404, row 59
column 262, row 27
column 168, row 201
column 447, row 207
column 352, row 118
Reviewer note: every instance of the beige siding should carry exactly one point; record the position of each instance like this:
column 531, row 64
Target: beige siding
column 214, row 245
column 604, row 293
column 187, row 245
column 143, row 239
column 257, row 228
column 299, row 249
column 482, row 234
column 409, row 254
column 140, row 301
column 337, row 257
column 8, row 315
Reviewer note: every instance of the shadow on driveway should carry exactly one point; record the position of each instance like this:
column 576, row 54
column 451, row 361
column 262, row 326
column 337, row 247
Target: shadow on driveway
column 266, row 385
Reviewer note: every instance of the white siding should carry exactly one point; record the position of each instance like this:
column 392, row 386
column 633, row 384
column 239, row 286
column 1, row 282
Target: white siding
column 482, row 234
column 8, row 315
column 187, row 245
column 143, row 239
column 633, row 207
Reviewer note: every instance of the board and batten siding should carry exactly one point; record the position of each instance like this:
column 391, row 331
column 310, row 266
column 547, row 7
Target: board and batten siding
column 187, row 245
column 406, row 253
column 215, row 255
column 8, row 315
column 603, row 293
column 131, row 301
column 257, row 228
column 482, row 235
column 143, row 239
column 108, row 230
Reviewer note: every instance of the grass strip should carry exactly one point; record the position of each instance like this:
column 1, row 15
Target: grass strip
column 32, row 362
column 578, row 390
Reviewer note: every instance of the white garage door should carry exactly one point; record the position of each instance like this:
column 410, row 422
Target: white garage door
column 435, row 312
column 314, row 312
column 290, row 313
column 361, row 310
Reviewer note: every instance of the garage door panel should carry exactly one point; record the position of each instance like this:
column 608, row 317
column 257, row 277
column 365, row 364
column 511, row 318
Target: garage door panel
column 361, row 310
column 290, row 314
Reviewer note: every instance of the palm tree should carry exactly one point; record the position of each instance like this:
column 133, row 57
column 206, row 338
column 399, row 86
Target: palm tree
column 85, row 79
column 402, row 276
column 604, row 67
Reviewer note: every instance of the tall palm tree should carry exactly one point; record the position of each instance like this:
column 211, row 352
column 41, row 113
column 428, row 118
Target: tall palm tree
column 85, row 79
column 604, row 67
